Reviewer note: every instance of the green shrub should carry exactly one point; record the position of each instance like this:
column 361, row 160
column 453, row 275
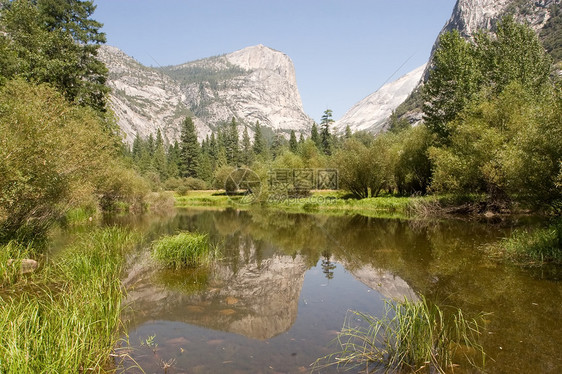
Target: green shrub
column 183, row 250
column 195, row 183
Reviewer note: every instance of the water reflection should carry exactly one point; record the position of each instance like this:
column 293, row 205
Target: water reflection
column 286, row 281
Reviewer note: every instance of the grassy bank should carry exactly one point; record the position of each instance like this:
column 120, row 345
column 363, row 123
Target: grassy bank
column 65, row 318
column 336, row 202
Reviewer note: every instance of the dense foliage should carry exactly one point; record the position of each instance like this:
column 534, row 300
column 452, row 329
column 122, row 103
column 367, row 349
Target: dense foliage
column 56, row 42
column 60, row 147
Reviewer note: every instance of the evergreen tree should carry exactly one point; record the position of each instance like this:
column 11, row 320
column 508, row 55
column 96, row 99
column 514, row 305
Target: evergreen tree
column 174, row 162
column 301, row 139
column 259, row 141
column 137, row 145
column 247, row 153
column 293, row 145
column 55, row 42
column 326, row 138
column 189, row 149
column 231, row 144
column 277, row 144
column 159, row 159
column 205, row 168
column 150, row 145
column 315, row 137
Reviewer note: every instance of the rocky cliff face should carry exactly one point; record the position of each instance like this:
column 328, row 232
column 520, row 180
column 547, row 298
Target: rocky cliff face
column 253, row 84
column 372, row 113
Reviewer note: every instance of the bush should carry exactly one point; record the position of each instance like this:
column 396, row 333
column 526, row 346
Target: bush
column 55, row 156
column 183, row 250
column 195, row 183
column 172, row 184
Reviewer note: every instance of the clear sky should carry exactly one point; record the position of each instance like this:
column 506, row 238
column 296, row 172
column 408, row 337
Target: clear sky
column 343, row 50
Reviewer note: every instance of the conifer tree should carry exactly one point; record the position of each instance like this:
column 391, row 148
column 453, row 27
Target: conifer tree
column 247, row 153
column 173, row 160
column 55, row 42
column 326, row 137
column 159, row 159
column 293, row 145
column 315, row 137
column 232, row 146
column 189, row 149
column 259, row 141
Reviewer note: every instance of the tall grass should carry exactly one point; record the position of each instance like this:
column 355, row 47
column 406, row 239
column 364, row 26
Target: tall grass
column 183, row 250
column 410, row 337
column 536, row 246
column 68, row 320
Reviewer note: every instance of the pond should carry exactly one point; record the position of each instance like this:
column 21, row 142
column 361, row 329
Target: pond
column 275, row 300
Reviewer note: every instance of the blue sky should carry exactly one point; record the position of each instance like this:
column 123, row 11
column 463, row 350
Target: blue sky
column 343, row 50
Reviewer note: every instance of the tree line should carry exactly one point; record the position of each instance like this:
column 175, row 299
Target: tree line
column 492, row 112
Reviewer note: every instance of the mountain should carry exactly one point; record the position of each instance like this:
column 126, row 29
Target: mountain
column 372, row 113
column 253, row 84
column 468, row 16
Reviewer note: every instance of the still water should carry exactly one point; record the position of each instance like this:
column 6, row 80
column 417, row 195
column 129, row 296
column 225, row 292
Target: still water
column 281, row 290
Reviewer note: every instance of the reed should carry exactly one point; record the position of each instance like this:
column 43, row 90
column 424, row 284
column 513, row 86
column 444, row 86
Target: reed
column 410, row 337
column 538, row 246
column 68, row 320
column 183, row 250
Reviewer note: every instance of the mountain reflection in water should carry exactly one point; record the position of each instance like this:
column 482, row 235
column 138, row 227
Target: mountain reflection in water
column 284, row 283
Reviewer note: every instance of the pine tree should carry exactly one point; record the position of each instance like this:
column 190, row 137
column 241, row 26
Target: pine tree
column 247, row 154
column 315, row 137
column 326, row 138
column 231, row 144
column 293, row 145
column 56, row 42
column 136, row 152
column 189, row 149
column 259, row 141
column 159, row 159
column 174, row 162
column 301, row 139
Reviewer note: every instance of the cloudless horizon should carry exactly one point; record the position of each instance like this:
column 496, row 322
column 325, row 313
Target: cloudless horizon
column 343, row 50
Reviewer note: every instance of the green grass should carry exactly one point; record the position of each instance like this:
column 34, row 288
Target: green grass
column 203, row 198
column 410, row 337
column 532, row 246
column 67, row 319
column 327, row 202
column 183, row 250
